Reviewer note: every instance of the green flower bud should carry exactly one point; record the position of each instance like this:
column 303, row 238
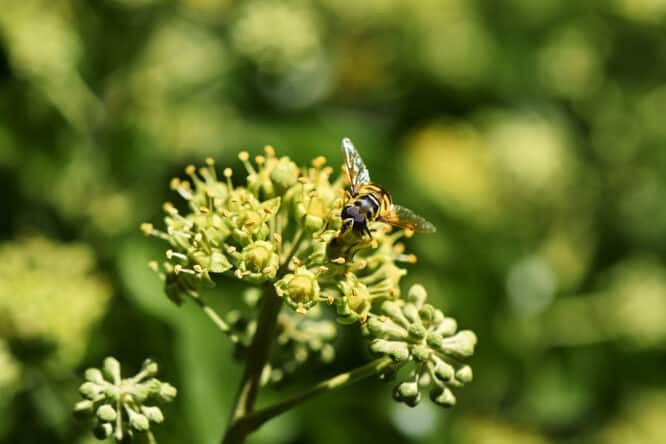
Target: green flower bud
column 149, row 367
column 284, row 174
column 83, row 409
column 386, row 329
column 112, row 368
column 460, row 345
column 167, row 392
column 103, row 431
column 421, row 353
column 327, row 353
column 417, row 295
column 407, row 392
column 464, row 374
column 94, row 375
column 398, row 351
column 447, row 327
column 417, row 331
column 442, row 369
column 441, row 395
column 106, row 413
column 138, row 421
column 154, row 414
column 90, row 390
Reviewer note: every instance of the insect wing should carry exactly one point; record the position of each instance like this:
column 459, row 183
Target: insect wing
column 406, row 218
column 357, row 172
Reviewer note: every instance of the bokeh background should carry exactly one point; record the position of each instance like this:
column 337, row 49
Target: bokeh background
column 530, row 132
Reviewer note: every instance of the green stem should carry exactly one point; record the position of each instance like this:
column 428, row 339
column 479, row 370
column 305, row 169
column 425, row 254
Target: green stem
column 151, row 437
column 250, row 422
column 257, row 356
column 213, row 316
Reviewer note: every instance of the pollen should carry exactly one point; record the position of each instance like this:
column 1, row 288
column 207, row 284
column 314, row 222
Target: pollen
column 319, row 162
column 210, row 161
column 411, row 258
column 269, row 150
column 189, row 170
column 243, row 156
column 153, row 265
column 260, row 160
column 339, row 260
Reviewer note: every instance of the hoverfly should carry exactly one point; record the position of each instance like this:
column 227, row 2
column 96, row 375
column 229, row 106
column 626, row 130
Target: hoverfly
column 367, row 202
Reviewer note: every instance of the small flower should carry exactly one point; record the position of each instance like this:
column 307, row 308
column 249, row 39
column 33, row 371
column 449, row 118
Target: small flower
column 300, row 289
column 414, row 331
column 119, row 405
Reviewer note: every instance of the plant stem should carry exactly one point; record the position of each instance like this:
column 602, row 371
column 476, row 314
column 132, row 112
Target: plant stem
column 252, row 421
column 257, row 355
column 213, row 316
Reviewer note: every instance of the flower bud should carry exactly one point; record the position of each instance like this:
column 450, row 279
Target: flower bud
column 103, row 431
column 386, row 329
column 83, row 409
column 417, row 295
column 94, row 375
column 106, row 413
column 443, row 370
column 112, row 368
column 138, row 421
column 460, row 345
column 443, row 396
column 150, row 367
column 154, row 414
column 465, row 374
column 167, row 392
column 407, row 392
column 284, row 174
column 90, row 390
column 398, row 351
column 420, row 353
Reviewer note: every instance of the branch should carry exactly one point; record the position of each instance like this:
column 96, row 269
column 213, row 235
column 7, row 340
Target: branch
column 257, row 356
column 253, row 421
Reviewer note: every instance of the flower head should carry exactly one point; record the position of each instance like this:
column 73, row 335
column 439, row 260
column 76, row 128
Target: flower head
column 411, row 330
column 282, row 231
column 123, row 407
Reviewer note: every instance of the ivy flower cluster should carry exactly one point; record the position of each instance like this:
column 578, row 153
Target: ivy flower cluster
column 412, row 331
column 123, row 407
column 280, row 229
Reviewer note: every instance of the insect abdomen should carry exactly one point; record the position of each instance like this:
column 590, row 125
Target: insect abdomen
column 373, row 200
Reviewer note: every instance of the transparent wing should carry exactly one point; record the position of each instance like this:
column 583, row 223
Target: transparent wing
column 406, row 218
column 357, row 172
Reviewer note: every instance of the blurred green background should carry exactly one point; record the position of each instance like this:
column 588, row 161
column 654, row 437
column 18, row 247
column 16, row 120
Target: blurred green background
column 530, row 132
